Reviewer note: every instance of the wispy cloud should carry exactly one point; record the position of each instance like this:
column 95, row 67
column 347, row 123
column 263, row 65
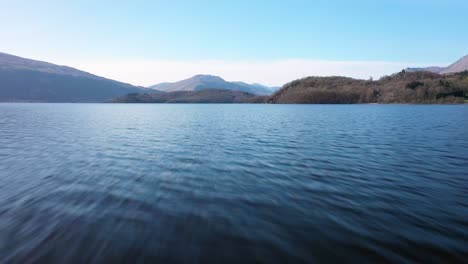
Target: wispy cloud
column 276, row 72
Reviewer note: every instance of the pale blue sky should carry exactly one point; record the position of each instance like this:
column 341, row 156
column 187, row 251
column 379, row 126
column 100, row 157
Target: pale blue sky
column 411, row 31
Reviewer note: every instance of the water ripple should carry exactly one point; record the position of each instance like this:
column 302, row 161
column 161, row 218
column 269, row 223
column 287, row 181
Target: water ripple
column 97, row 183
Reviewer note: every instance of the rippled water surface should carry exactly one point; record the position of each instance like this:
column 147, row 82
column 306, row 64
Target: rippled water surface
column 106, row 183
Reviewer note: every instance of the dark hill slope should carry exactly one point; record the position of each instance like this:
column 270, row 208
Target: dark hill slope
column 29, row 80
column 201, row 96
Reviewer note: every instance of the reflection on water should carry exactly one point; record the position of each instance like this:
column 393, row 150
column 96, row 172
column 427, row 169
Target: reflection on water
column 97, row 183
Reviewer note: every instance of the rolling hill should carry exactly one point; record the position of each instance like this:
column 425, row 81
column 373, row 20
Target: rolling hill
column 202, row 82
column 36, row 81
column 420, row 87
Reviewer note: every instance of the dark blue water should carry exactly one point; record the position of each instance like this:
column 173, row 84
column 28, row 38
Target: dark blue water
column 106, row 183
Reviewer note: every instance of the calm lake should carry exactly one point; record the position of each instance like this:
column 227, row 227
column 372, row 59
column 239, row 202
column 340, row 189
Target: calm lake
column 111, row 183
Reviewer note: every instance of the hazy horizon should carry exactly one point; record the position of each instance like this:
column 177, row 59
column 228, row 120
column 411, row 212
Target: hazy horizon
column 145, row 43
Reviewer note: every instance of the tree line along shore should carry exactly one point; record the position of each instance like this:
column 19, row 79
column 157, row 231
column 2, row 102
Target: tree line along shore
column 418, row 87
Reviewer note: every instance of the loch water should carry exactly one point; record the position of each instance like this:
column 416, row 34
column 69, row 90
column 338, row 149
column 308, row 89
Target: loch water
column 214, row 183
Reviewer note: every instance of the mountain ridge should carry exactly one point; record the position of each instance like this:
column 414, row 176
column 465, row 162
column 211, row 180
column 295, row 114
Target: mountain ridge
column 13, row 62
column 206, row 81
column 458, row 66
column 30, row 80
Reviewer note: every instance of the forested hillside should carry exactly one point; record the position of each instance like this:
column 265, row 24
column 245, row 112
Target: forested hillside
column 404, row 87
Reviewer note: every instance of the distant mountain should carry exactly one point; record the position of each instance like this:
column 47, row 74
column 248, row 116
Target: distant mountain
column 200, row 96
column 434, row 69
column 159, row 86
column 459, row 66
column 271, row 89
column 36, row 81
column 201, row 82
